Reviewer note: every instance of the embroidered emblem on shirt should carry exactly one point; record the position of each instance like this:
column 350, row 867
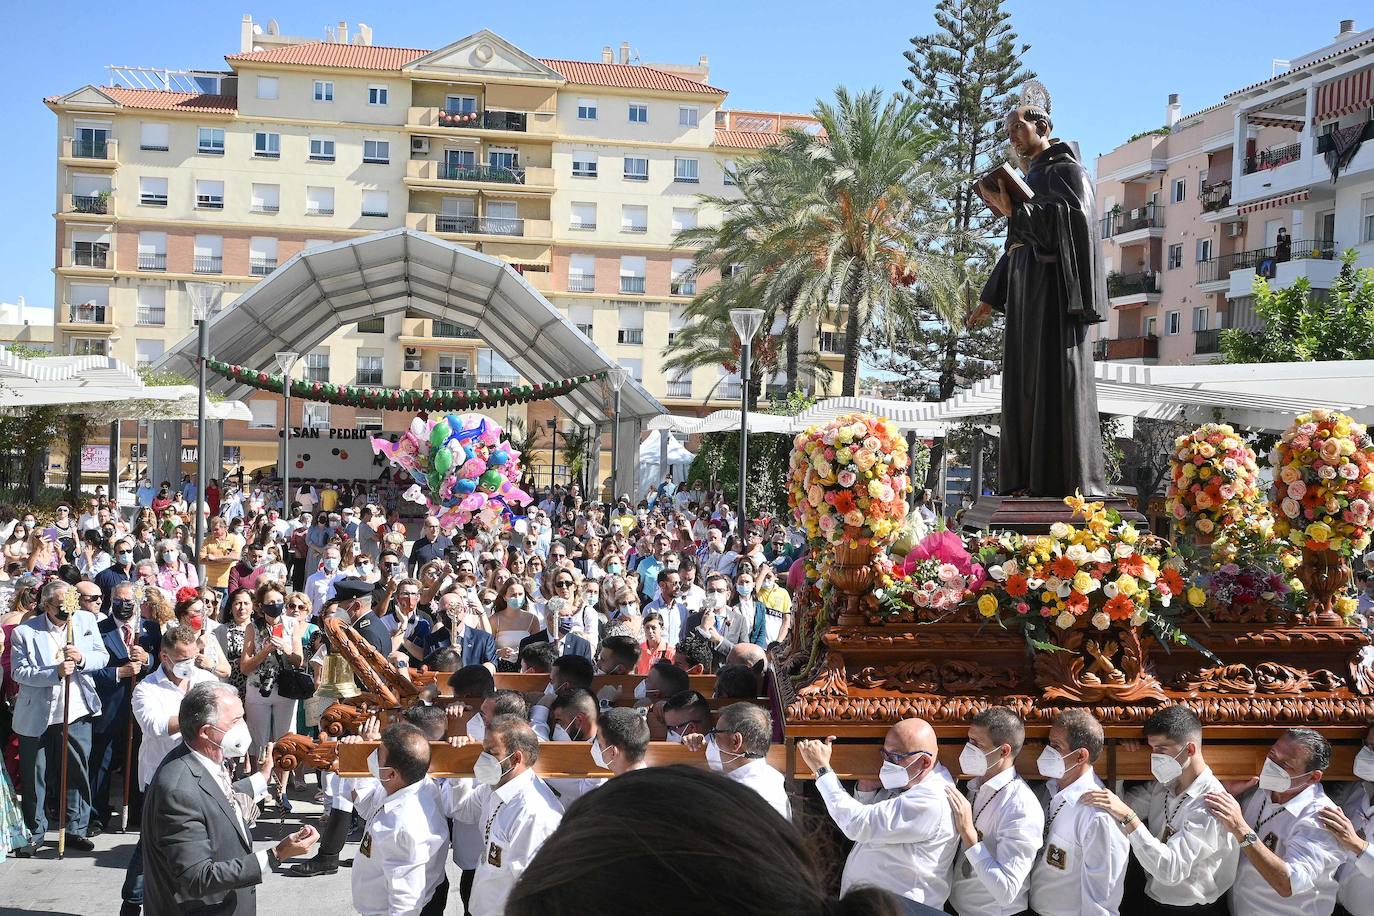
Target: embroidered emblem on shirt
column 365, row 847
column 1056, row 857
column 1168, row 832
column 494, row 855
column 1271, row 841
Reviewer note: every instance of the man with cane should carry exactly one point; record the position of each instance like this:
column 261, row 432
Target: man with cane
column 54, row 656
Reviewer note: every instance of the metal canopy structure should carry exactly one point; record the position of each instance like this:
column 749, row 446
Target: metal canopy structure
column 402, row 271
column 100, row 386
column 1258, row 396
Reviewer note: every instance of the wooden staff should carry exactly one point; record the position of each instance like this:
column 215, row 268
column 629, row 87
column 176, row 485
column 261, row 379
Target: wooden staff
column 66, row 726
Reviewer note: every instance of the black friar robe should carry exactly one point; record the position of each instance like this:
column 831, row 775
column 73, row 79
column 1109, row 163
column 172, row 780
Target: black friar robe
column 1050, row 285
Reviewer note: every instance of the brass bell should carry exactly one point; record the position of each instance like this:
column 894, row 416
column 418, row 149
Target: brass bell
column 338, row 678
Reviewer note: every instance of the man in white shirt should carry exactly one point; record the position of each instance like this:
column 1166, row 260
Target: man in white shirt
column 738, row 748
column 904, row 839
column 1000, row 823
column 1289, row 861
column 156, row 706
column 400, row 861
column 1083, row 865
column 669, row 605
column 513, row 806
column 1349, row 824
column 320, row 585
column 622, row 740
column 1188, row 857
column 574, row 716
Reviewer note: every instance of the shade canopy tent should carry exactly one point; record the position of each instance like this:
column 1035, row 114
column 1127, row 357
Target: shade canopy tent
column 659, row 454
column 100, row 386
column 402, row 271
column 908, row 416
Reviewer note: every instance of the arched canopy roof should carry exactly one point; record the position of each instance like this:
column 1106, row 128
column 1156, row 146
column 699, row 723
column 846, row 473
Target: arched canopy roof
column 324, row 289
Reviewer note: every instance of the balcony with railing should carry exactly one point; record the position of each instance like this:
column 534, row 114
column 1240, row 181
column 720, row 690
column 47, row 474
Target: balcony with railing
column 151, row 317
column 1144, row 284
column 1311, row 259
column 479, row 173
column 581, row 283
column 448, row 380
column 1207, row 342
column 89, row 313
column 631, row 284
column 92, row 204
column 261, row 266
column 451, row 329
column 152, row 260
column 1134, row 219
column 1122, row 348
column 729, row 391
column 207, row 264
column 499, row 119
column 1215, row 195
column 679, row 388
column 91, row 152
column 1272, row 158
column 94, row 256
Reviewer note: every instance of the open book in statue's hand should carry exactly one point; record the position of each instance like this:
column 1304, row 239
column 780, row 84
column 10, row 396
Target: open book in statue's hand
column 1003, row 181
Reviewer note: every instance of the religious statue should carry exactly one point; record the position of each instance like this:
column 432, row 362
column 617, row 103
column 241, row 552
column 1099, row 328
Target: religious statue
column 1050, row 286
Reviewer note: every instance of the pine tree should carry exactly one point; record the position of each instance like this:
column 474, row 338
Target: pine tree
column 965, row 76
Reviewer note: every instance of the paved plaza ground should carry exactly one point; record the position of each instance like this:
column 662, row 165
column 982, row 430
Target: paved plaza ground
column 87, row 884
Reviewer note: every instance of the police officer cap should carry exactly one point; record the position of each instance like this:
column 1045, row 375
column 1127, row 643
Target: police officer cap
column 352, row 588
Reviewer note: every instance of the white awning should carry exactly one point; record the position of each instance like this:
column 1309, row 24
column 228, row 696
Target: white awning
column 317, row 292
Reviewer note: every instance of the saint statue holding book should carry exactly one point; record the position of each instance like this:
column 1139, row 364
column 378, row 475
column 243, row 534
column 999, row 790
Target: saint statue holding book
column 1050, row 286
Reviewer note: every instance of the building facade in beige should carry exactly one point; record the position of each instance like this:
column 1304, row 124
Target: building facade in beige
column 1192, row 213
column 578, row 173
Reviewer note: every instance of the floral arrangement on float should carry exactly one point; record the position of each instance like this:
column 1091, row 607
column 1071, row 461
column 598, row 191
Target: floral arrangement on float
column 1214, row 481
column 934, row 579
column 466, row 468
column 1324, row 501
column 847, row 486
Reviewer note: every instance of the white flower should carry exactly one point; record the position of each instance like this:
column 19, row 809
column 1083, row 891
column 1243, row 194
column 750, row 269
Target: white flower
column 1064, row 589
column 1060, row 530
column 1064, row 620
column 1124, row 550
column 1101, row 620
column 998, row 572
column 1149, row 574
column 1110, row 590
column 1139, row 617
column 1101, row 555
column 1011, row 567
column 1077, row 552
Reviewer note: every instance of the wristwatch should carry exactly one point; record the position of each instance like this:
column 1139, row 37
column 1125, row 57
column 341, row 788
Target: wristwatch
column 272, row 859
column 1249, row 839
column 821, row 771
column 1128, row 820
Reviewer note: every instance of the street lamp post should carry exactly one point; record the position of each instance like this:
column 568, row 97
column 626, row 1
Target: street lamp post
column 616, row 377
column 747, row 323
column 286, row 361
column 205, row 299
column 553, row 450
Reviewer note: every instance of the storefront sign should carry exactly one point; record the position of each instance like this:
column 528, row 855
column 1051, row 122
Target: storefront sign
column 332, row 432
column 139, row 452
column 95, row 458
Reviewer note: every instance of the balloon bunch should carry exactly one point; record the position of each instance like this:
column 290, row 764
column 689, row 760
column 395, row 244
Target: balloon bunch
column 465, row 467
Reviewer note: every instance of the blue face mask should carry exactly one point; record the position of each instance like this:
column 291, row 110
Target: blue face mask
column 516, row 601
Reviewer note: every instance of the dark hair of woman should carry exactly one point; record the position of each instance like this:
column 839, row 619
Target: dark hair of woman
column 713, row 846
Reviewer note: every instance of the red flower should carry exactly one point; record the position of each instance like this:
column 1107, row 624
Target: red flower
column 1017, row 585
column 1120, row 608
column 1063, row 567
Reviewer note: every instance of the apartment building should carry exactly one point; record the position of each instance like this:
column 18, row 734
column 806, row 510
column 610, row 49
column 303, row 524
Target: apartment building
column 1191, row 213
column 25, row 325
column 578, row 173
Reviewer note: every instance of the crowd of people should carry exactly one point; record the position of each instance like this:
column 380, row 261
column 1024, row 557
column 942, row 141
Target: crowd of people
column 204, row 662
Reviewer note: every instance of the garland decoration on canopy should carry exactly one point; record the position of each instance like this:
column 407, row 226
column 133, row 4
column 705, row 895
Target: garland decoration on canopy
column 406, row 399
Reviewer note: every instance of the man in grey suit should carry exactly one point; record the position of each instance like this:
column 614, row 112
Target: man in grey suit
column 197, row 851
column 42, row 659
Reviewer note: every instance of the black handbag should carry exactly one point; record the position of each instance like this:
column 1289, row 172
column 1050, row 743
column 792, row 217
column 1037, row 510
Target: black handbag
column 295, row 683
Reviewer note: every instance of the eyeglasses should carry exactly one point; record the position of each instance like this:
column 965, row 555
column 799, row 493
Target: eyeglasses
column 891, row 757
column 88, row 597
column 410, row 594
column 564, row 583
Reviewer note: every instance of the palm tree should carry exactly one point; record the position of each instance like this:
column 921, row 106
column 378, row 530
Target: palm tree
column 838, row 224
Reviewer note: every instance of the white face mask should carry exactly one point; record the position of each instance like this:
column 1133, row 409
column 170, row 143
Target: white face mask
column 487, row 769
column 973, row 762
column 235, row 741
column 561, row 734
column 713, row 755
column 1274, row 778
column 182, row 670
column 1364, row 764
column 1166, row 768
column 599, row 756
column 373, row 766
column 477, row 728
column 549, row 691
column 893, row 776
column 1051, row 763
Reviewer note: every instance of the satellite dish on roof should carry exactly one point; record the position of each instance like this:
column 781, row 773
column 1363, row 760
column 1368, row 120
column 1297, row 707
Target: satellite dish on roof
column 273, row 28
column 257, row 29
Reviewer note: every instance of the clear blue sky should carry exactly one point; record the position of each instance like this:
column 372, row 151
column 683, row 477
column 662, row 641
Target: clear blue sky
column 1108, row 68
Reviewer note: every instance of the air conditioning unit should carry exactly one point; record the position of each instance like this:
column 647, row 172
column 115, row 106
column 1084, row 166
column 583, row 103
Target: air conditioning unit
column 1235, row 230
column 419, row 145
column 412, row 351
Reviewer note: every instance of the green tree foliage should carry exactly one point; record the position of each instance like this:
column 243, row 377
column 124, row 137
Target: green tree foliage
column 1301, row 324
column 717, row 463
column 27, row 435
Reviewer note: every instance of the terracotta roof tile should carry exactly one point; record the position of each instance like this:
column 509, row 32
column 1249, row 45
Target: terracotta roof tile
column 1307, row 66
column 746, row 139
column 331, row 54
column 158, row 100
column 626, row 76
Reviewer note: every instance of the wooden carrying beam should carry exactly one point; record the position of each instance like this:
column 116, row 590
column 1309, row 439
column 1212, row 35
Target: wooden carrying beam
column 557, row 759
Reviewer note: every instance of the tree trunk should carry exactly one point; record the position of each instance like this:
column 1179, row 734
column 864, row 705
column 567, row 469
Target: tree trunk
column 76, row 441
column 852, row 348
column 792, row 353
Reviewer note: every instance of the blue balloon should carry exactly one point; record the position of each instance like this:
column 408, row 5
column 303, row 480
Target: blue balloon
column 469, row 453
column 464, row 486
column 498, row 458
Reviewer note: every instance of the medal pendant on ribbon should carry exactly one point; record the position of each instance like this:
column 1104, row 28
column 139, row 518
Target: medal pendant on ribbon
column 1271, row 841
column 1056, row 857
column 1168, row 832
column 494, row 855
column 365, row 847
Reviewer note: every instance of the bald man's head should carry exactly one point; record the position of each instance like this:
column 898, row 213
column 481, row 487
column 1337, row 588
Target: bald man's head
column 911, row 745
column 746, row 653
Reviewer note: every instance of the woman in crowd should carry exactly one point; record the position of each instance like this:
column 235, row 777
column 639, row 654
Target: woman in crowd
column 145, row 538
column 534, row 578
column 275, row 569
column 191, row 611
column 589, row 559
column 623, row 614
column 654, row 647
column 17, row 544
column 174, row 573
column 512, row 621
column 612, row 559
column 157, row 607
column 272, row 639
column 44, row 555
column 368, row 539
column 232, row 634
column 162, row 501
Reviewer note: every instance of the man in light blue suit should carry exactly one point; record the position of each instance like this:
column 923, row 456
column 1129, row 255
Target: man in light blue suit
column 42, row 659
